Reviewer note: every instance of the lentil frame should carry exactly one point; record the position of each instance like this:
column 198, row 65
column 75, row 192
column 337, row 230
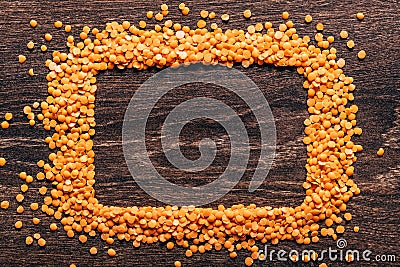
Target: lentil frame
column 70, row 108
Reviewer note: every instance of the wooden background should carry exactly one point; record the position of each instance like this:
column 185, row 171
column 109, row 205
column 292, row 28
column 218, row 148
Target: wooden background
column 377, row 78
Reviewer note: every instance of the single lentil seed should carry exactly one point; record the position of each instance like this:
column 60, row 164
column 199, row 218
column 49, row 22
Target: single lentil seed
column 319, row 27
column 18, row 224
column 111, row 252
column 48, row 37
column 350, row 44
column 361, row 54
column 41, row 242
column 21, row 59
column 5, row 125
column 149, row 14
column 380, row 152
column 225, row 17
column 4, row 204
column 93, row 250
column 360, row 16
column 67, row 28
column 285, row 15
column 247, row 13
column 33, row 23
column 58, row 24
column 2, row 160
column 344, row 34
column 308, row 18
column 30, row 45
column 28, row 240
column 204, row 14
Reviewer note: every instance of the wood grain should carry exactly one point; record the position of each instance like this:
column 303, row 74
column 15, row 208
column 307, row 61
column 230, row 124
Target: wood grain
column 377, row 78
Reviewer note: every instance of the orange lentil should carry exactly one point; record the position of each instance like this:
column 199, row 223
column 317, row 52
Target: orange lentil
column 308, row 18
column 181, row 6
column 177, row 264
column 53, row 227
column 18, row 224
column 48, row 37
column 33, row 23
column 111, row 252
column 30, row 72
column 204, row 14
column 149, row 14
column 36, row 221
column 247, row 13
column 340, row 229
column 356, row 229
column 185, row 11
column 41, row 242
column 93, row 250
column 285, row 15
column 361, row 54
column 43, row 190
column 159, row 17
column 36, row 236
column 20, row 209
column 5, row 125
column 2, row 160
column 201, row 24
column 319, row 27
column 225, row 17
column 19, row 198
column 82, row 238
column 28, row 240
column 344, row 34
column 58, row 24
column 360, row 16
column 24, row 188
column 21, row 58
column 67, row 28
column 347, row 216
column 248, row 261
column 43, row 48
column 212, row 15
column 350, row 44
column 380, row 152
column 34, row 206
column 142, row 24
column 170, row 245
column 30, row 45
column 4, row 204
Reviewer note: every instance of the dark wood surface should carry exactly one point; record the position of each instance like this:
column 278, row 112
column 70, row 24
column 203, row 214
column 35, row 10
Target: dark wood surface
column 377, row 78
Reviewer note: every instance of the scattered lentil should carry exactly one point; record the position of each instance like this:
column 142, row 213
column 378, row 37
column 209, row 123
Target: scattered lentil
column 58, row 24
column 41, row 242
column 380, row 152
column 344, row 34
column 48, row 37
column 4, row 204
column 33, row 23
column 28, row 240
column 21, row 59
column 361, row 54
column 308, row 18
column 18, row 224
column 30, row 45
column 247, row 13
column 350, row 44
